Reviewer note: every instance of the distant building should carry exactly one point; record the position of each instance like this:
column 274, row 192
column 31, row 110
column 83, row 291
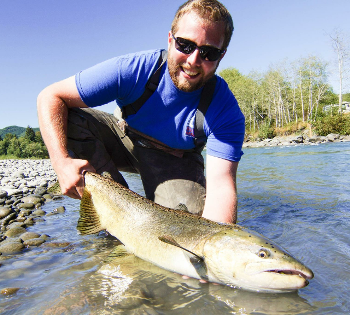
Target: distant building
column 345, row 107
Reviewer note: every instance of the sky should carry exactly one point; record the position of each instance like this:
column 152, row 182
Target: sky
column 45, row 41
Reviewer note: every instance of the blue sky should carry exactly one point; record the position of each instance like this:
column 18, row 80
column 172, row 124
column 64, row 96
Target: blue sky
column 44, row 41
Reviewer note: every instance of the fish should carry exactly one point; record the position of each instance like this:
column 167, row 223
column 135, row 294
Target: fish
column 188, row 244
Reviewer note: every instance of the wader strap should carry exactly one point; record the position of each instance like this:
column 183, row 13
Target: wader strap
column 151, row 86
column 207, row 94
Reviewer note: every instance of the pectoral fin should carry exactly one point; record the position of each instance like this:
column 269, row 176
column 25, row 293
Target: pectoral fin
column 197, row 261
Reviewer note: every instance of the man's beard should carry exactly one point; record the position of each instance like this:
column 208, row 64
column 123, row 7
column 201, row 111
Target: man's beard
column 185, row 85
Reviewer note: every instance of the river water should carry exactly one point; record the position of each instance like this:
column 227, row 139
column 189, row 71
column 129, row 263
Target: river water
column 297, row 196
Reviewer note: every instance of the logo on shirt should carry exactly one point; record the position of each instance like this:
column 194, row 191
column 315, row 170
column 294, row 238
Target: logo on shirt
column 190, row 128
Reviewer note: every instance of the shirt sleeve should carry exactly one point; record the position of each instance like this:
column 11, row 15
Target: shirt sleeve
column 225, row 126
column 120, row 79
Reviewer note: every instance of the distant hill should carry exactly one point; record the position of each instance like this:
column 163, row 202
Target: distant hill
column 16, row 130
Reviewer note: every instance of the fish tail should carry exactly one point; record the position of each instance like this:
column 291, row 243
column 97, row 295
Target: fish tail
column 89, row 222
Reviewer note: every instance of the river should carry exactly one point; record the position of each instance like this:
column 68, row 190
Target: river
column 298, row 196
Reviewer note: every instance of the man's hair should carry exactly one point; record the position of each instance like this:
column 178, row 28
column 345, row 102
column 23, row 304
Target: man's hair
column 211, row 10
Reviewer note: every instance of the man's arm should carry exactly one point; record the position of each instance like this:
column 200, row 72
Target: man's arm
column 53, row 103
column 221, row 196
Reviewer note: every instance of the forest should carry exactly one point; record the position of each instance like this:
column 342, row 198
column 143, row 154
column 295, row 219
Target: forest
column 287, row 98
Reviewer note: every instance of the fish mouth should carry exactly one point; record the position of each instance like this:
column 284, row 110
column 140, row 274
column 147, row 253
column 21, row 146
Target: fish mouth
column 292, row 273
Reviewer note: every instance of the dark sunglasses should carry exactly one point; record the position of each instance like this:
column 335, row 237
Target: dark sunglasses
column 188, row 47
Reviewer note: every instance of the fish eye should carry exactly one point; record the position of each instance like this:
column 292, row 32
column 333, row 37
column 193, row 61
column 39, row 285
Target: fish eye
column 263, row 253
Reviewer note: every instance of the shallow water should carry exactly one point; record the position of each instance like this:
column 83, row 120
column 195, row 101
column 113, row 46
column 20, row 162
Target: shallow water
column 297, row 196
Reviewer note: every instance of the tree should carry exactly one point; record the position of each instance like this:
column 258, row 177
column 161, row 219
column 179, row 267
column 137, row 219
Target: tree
column 341, row 48
column 30, row 134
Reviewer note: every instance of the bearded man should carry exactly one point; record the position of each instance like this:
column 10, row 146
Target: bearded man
column 169, row 105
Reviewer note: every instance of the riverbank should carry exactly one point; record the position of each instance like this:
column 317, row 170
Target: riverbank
column 23, row 190
column 295, row 140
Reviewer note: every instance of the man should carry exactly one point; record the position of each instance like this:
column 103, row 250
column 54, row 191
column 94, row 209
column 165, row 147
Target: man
column 157, row 141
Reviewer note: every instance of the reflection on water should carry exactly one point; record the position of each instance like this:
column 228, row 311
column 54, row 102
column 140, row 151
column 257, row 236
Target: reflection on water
column 297, row 196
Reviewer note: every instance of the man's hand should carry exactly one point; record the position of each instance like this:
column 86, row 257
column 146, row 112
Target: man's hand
column 70, row 173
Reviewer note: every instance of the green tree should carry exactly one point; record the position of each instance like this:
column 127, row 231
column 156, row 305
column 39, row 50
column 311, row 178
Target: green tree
column 30, row 134
column 14, row 147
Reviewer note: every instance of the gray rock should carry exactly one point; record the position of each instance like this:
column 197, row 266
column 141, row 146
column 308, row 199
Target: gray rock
column 29, row 235
column 333, row 137
column 27, row 205
column 29, row 221
column 32, row 199
column 4, row 212
column 11, row 247
column 34, row 242
column 3, row 194
column 40, row 190
column 39, row 212
column 15, row 231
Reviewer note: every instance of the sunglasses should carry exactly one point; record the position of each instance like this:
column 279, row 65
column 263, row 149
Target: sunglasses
column 207, row 53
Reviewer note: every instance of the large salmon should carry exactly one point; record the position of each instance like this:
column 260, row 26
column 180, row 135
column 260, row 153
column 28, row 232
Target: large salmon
column 188, row 244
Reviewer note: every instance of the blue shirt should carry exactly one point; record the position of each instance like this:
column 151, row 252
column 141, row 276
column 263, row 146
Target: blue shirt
column 168, row 115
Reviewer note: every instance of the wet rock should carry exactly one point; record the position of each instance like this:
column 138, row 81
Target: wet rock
column 32, row 199
column 10, row 247
column 5, row 212
column 45, row 237
column 39, row 212
column 34, row 242
column 27, row 205
column 29, row 221
column 29, row 235
column 22, row 264
column 9, row 291
column 40, row 190
column 15, row 231
column 47, row 197
column 3, row 194
column 58, row 244
column 58, row 211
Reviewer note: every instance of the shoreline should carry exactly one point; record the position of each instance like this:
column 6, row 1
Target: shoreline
column 23, row 190
column 296, row 140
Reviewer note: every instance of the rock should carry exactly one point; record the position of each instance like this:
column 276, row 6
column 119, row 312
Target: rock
column 32, row 199
column 40, row 190
column 39, row 212
column 34, row 242
column 333, row 137
column 45, row 237
column 3, row 194
column 12, row 191
column 58, row 211
column 27, row 205
column 10, row 247
column 29, row 235
column 4, row 212
column 29, row 221
column 9, row 291
column 298, row 139
column 15, row 231
column 22, row 264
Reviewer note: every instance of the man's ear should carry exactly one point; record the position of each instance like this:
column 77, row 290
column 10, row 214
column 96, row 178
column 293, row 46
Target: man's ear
column 170, row 38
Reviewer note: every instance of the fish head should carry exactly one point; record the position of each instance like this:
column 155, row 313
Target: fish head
column 244, row 259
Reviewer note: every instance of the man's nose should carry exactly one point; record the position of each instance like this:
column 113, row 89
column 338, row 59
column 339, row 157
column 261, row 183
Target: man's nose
column 194, row 59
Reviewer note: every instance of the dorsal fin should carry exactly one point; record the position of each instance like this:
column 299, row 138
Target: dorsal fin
column 182, row 207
